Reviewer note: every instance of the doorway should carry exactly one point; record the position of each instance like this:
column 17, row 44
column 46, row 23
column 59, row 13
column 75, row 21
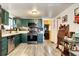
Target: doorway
column 46, row 31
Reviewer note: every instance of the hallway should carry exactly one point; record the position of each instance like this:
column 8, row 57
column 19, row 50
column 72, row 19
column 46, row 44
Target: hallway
column 45, row 49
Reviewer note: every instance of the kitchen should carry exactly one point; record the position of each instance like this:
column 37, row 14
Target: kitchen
column 30, row 32
column 20, row 31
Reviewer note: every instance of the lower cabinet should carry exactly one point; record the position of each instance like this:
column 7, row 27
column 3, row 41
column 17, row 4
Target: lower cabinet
column 40, row 38
column 3, row 46
column 17, row 40
column 23, row 38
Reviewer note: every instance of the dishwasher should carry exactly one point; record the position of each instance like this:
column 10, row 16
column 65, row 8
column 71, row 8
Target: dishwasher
column 10, row 44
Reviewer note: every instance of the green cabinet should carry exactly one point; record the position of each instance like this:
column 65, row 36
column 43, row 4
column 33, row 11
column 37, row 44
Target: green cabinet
column 5, row 17
column 30, row 20
column 18, row 22
column 40, row 38
column 4, row 46
column 24, row 22
column 17, row 40
column 23, row 38
column 39, row 23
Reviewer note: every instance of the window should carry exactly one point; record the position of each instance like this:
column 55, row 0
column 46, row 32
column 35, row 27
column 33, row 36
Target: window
column 11, row 22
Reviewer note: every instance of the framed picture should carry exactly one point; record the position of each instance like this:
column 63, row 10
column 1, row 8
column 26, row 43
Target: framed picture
column 76, row 12
column 76, row 15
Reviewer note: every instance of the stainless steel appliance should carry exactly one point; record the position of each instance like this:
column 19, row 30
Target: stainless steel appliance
column 33, row 33
column 10, row 44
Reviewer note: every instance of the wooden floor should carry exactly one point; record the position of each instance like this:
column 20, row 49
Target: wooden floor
column 44, row 49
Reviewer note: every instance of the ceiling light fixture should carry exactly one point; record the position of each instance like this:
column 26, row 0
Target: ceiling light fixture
column 34, row 11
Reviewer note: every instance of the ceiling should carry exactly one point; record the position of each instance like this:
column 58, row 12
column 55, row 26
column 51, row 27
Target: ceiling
column 45, row 9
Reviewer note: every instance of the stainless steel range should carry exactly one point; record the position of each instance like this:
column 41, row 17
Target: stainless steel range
column 33, row 33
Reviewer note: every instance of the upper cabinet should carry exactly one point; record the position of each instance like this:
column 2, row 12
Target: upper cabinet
column 40, row 23
column 5, row 17
column 16, row 22
column 24, row 22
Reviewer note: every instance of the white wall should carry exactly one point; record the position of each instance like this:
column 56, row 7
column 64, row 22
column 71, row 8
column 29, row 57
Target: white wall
column 70, row 12
column 73, row 26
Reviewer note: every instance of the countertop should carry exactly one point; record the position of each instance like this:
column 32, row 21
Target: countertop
column 4, row 34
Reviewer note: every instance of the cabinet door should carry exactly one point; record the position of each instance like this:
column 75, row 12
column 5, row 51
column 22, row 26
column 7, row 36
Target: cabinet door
column 4, row 46
column 18, row 22
column 24, row 22
column 40, row 23
column 5, row 17
column 4, row 52
column 40, row 38
column 24, row 38
column 17, row 40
